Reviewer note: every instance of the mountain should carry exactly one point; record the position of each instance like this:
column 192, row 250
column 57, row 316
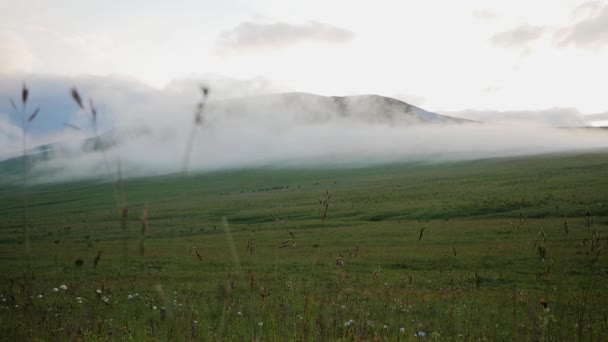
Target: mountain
column 310, row 108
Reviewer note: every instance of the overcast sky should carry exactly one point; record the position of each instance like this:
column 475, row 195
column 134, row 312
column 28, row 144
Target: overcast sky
column 445, row 56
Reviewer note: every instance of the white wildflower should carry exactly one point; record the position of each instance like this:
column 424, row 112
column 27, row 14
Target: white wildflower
column 420, row 334
column 39, row 296
column 154, row 307
column 402, row 330
column 98, row 291
column 260, row 323
column 55, row 290
column 63, row 287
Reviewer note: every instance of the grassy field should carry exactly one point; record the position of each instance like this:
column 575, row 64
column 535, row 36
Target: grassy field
column 503, row 249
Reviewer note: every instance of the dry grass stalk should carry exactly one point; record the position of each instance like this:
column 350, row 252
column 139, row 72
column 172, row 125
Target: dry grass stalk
column 117, row 184
column 250, row 246
column 540, row 246
column 144, row 229
column 97, row 258
column 521, row 220
column 198, row 121
column 119, row 194
column 26, row 121
column 422, row 229
column 593, row 243
column 324, row 205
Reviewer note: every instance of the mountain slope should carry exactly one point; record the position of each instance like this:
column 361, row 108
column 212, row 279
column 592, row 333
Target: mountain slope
column 310, row 108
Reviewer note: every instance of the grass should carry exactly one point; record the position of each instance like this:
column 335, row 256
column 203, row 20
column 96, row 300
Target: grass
column 213, row 269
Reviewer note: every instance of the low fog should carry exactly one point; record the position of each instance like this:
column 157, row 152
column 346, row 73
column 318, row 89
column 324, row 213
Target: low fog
column 295, row 130
column 146, row 130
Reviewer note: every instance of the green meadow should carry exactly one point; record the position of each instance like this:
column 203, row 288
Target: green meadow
column 498, row 249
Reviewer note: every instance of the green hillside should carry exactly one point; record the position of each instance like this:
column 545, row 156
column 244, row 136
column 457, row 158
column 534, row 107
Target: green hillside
column 461, row 251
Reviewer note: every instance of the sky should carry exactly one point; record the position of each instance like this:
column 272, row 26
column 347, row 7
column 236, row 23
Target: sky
column 540, row 62
column 443, row 55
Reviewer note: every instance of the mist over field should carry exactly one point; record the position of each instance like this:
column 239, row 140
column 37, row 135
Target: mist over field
column 246, row 125
column 293, row 137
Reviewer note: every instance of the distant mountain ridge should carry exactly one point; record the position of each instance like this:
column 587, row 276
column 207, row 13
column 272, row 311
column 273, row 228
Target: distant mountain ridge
column 318, row 109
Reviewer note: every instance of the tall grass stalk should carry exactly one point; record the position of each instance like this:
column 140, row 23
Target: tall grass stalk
column 91, row 110
column 26, row 121
column 198, row 121
column 118, row 191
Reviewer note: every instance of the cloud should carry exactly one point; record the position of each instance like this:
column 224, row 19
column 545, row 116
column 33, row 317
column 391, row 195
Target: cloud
column 517, row 37
column 553, row 117
column 484, row 15
column 251, row 36
column 15, row 55
column 590, row 31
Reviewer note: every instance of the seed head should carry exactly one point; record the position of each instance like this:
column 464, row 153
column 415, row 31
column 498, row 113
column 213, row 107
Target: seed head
column 76, row 97
column 24, row 94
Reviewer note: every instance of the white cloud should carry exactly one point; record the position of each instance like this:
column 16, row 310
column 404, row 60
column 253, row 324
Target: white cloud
column 485, row 15
column 15, row 54
column 590, row 31
column 518, row 36
column 251, row 36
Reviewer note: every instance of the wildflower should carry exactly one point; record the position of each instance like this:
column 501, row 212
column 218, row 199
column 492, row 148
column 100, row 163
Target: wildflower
column 385, row 327
column 129, row 297
column 402, row 330
column 154, row 307
column 349, row 323
column 55, row 290
column 370, row 323
column 98, row 291
column 260, row 323
column 63, row 287
column 39, row 296
column 420, row 334
column 343, row 307
column 106, row 300
column 239, row 313
column 195, row 322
